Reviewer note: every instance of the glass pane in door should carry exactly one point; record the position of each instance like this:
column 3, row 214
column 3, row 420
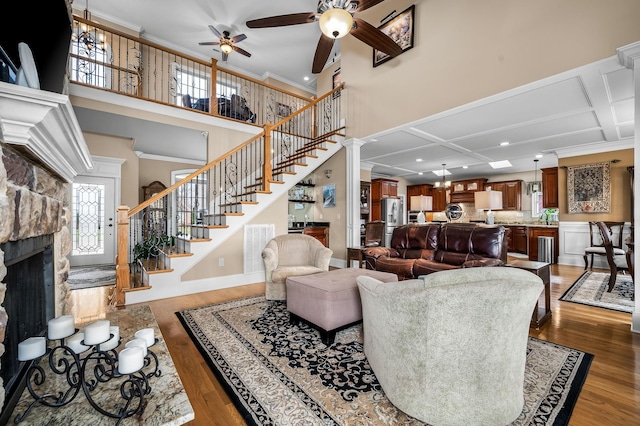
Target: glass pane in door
column 88, row 218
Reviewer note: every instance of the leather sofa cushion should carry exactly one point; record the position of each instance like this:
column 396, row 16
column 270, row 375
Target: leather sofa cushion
column 415, row 237
column 459, row 243
column 403, row 268
column 425, row 267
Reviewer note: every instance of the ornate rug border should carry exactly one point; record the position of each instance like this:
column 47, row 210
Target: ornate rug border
column 253, row 418
column 573, row 288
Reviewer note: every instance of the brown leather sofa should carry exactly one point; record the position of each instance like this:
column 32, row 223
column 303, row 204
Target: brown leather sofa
column 422, row 249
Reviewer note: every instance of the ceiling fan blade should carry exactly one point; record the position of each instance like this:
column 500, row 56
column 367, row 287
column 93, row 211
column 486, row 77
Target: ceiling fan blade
column 325, row 44
column 215, row 31
column 225, row 56
column 241, row 51
column 365, row 4
column 209, row 43
column 367, row 33
column 238, row 38
column 282, row 20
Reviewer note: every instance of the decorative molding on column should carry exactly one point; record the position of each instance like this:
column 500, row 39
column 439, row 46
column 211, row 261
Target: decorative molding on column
column 628, row 54
column 366, row 166
column 353, row 191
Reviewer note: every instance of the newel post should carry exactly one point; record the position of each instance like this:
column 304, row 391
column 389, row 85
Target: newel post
column 123, row 275
column 267, row 172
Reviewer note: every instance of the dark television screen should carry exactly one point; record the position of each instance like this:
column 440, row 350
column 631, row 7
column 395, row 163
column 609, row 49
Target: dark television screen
column 49, row 44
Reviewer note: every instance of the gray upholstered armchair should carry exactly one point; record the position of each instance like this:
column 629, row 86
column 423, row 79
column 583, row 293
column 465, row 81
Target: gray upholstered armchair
column 292, row 255
column 451, row 349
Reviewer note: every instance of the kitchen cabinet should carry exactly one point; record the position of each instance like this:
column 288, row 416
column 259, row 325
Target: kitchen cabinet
column 511, row 193
column 542, row 231
column 381, row 188
column 519, row 238
column 320, row 233
column 550, row 187
column 439, row 199
column 462, row 190
column 415, row 190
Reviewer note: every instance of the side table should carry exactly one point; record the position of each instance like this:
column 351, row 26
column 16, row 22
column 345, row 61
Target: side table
column 543, row 270
column 355, row 253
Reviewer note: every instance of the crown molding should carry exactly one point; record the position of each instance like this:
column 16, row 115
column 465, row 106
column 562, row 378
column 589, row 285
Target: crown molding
column 44, row 124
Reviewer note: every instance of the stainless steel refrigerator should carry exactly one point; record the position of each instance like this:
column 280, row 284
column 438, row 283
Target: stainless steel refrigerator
column 393, row 215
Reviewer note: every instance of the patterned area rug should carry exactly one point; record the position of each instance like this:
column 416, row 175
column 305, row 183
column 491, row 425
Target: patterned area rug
column 282, row 374
column 591, row 289
column 91, row 276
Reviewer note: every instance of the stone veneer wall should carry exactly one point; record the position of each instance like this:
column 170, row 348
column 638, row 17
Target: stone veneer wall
column 33, row 202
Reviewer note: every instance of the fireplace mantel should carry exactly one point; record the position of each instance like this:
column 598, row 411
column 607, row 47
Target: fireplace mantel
column 44, row 124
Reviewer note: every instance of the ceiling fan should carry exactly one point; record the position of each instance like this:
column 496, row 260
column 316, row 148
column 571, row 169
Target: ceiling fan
column 226, row 43
column 336, row 20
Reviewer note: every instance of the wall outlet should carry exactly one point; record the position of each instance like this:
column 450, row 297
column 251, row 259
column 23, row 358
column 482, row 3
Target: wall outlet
column 221, row 261
column 338, row 216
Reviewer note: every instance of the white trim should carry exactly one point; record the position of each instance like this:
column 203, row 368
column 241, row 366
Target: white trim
column 146, row 156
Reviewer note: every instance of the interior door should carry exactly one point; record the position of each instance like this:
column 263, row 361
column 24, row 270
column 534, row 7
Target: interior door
column 93, row 221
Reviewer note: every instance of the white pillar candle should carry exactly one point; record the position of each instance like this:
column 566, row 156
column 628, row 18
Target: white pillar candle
column 137, row 342
column 147, row 335
column 114, row 341
column 75, row 343
column 61, row 327
column 130, row 360
column 96, row 332
column 31, row 348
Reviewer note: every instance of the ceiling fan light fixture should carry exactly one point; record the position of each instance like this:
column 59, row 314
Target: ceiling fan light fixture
column 226, row 48
column 336, row 23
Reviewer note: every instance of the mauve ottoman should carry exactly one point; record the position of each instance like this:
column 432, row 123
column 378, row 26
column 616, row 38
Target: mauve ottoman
column 329, row 300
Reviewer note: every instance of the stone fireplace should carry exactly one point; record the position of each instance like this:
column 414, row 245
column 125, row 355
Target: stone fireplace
column 41, row 150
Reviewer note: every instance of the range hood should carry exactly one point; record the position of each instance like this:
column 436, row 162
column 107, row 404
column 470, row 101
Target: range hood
column 43, row 126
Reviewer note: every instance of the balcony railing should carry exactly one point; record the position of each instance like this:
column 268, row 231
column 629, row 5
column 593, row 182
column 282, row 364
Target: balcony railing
column 111, row 60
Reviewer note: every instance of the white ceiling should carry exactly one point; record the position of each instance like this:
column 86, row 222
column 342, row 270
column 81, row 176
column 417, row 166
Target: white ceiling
column 583, row 111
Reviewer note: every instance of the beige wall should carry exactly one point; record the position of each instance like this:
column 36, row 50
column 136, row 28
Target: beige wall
column 114, row 147
column 232, row 250
column 466, row 50
column 152, row 170
column 620, row 186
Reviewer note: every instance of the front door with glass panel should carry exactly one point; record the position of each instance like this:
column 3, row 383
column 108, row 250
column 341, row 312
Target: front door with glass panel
column 93, row 223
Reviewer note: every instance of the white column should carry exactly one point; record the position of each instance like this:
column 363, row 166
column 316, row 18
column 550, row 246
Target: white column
column 353, row 191
column 629, row 56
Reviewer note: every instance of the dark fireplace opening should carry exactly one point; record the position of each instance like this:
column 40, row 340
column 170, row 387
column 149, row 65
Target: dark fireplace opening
column 29, row 303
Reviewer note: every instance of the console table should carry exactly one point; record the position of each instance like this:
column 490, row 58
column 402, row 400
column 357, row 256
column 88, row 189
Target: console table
column 167, row 404
column 541, row 314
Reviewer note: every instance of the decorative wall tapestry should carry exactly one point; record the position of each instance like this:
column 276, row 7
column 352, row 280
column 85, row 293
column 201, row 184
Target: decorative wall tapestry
column 589, row 188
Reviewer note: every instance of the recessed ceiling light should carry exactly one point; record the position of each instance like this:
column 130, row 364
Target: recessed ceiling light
column 504, row 143
column 538, row 155
column 306, row 78
column 465, row 167
column 440, row 172
column 500, row 164
column 418, row 159
column 373, row 140
column 420, row 173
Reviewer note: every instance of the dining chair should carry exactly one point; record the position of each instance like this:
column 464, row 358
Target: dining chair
column 617, row 263
column 596, row 246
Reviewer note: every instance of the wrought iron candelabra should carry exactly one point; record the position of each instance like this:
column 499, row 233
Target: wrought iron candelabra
column 88, row 372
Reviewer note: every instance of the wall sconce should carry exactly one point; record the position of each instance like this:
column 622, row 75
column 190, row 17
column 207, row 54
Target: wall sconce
column 327, row 173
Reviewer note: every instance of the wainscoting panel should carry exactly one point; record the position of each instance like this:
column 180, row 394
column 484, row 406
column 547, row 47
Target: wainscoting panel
column 574, row 238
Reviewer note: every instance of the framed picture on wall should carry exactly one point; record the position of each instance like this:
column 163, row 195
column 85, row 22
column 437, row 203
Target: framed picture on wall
column 400, row 29
column 336, row 82
column 329, row 195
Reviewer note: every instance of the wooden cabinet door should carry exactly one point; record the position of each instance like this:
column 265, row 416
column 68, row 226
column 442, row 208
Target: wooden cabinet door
column 320, row 233
column 550, row 187
column 512, row 195
column 519, row 239
column 439, row 199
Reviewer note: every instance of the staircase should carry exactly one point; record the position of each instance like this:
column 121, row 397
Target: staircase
column 162, row 238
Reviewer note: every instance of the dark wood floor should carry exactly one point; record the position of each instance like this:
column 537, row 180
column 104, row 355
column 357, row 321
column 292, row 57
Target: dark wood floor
column 610, row 395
